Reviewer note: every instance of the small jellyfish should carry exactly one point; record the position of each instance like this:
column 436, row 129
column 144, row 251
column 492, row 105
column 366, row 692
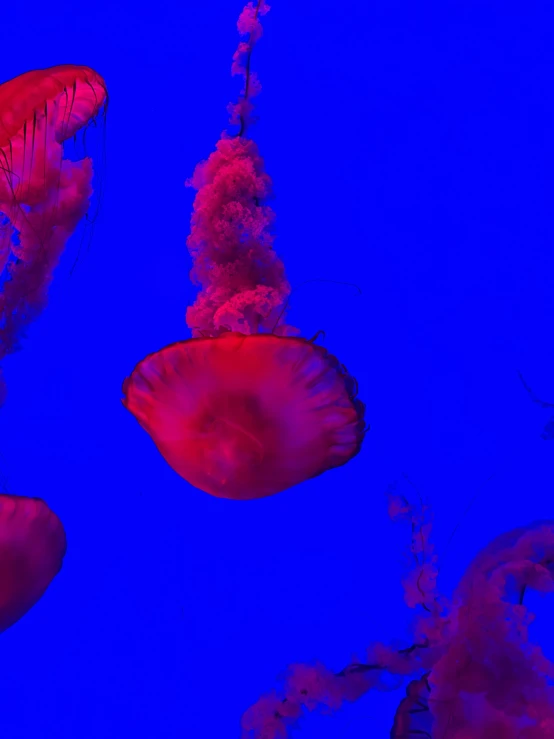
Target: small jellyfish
column 246, row 408
column 42, row 195
column 32, row 548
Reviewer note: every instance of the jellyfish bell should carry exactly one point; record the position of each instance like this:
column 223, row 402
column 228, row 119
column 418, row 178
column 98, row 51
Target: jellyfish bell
column 78, row 92
column 246, row 416
column 39, row 111
column 32, row 548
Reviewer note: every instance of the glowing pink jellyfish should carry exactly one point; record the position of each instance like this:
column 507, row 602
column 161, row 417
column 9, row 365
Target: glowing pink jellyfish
column 32, row 547
column 474, row 672
column 42, row 195
column 245, row 408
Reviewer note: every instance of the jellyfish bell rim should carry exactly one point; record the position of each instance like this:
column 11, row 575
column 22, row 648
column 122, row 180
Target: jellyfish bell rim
column 323, row 435
column 54, row 81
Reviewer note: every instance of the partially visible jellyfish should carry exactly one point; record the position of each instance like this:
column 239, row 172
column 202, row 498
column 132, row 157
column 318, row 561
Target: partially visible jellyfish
column 32, row 548
column 42, row 195
column 246, row 408
column 473, row 671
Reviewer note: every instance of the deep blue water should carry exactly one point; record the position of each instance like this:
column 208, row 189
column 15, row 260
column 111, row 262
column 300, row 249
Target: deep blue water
column 412, row 153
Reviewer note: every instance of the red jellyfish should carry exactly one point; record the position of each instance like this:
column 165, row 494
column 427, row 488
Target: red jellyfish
column 42, row 195
column 474, row 670
column 32, row 547
column 245, row 408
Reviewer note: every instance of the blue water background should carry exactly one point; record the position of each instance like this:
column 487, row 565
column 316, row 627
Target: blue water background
column 411, row 150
